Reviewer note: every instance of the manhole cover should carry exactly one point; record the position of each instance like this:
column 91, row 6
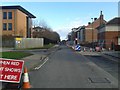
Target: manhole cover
column 99, row 80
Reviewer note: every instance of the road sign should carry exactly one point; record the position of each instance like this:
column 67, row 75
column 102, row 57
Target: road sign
column 77, row 47
column 10, row 70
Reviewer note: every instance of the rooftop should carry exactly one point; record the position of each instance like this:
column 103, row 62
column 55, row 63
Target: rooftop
column 19, row 8
column 114, row 21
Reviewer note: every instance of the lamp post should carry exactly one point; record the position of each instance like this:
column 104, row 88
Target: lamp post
column 92, row 34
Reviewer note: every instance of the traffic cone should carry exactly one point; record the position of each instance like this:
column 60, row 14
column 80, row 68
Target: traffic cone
column 84, row 49
column 26, row 83
column 90, row 49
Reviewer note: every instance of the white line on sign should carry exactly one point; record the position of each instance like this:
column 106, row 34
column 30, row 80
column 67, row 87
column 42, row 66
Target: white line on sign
column 11, row 70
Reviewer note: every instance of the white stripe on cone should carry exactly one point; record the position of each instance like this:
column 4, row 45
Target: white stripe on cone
column 26, row 79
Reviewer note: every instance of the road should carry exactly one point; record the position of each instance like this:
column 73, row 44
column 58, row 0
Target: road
column 108, row 65
column 69, row 69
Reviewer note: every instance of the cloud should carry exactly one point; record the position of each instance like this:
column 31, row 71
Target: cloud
column 66, row 28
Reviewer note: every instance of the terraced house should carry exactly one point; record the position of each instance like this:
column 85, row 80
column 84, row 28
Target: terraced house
column 109, row 34
column 16, row 21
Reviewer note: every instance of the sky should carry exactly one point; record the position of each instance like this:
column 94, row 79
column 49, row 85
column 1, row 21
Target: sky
column 63, row 16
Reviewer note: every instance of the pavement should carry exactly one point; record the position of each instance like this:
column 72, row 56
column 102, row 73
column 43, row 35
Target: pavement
column 38, row 57
column 112, row 53
column 108, row 53
column 34, row 61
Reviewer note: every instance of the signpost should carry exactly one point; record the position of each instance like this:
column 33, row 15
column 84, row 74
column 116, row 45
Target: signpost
column 10, row 70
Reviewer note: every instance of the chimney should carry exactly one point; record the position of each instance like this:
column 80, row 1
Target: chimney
column 95, row 19
column 89, row 23
column 101, row 18
column 101, row 15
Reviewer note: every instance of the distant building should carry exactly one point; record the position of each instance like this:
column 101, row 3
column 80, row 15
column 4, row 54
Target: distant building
column 38, row 29
column 87, row 34
column 75, row 35
column 90, row 32
column 16, row 21
column 109, row 34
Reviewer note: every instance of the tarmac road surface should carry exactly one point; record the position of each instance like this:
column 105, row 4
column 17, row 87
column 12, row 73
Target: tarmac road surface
column 68, row 69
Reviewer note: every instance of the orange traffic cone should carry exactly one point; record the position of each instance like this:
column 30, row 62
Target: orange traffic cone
column 26, row 83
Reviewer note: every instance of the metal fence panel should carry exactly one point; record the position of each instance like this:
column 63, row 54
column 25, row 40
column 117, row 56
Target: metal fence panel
column 21, row 43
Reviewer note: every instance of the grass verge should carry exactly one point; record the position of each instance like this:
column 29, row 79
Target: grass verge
column 14, row 55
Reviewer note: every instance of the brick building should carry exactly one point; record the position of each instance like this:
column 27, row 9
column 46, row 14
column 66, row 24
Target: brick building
column 90, row 32
column 109, row 34
column 16, row 21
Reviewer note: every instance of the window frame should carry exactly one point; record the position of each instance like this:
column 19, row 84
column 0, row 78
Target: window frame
column 4, row 29
column 9, row 15
column 4, row 16
column 9, row 26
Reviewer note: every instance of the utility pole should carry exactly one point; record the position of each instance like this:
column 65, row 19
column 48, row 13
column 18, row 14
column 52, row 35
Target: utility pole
column 92, row 35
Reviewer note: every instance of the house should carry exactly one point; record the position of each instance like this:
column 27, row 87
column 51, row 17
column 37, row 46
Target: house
column 90, row 31
column 109, row 34
column 74, row 35
column 87, row 34
column 16, row 21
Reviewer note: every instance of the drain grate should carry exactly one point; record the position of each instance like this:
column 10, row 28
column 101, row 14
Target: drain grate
column 99, row 80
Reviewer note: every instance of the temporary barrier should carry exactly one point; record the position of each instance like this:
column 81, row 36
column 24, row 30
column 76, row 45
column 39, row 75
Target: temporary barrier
column 26, row 83
column 77, row 47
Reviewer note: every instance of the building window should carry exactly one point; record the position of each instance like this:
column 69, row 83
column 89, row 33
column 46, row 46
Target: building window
column 9, row 26
column 9, row 15
column 4, row 15
column 4, row 26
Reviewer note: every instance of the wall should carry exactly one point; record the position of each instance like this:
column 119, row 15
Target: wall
column 18, row 23
column 21, row 27
column 88, row 30
column 111, row 36
column 112, row 28
column 88, row 35
column 8, row 41
column 9, row 32
column 29, row 27
column 22, row 43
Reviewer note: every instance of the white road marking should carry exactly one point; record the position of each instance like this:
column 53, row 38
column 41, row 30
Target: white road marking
column 42, row 64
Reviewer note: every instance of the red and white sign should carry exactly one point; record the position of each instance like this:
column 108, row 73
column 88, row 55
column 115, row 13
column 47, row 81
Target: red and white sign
column 10, row 70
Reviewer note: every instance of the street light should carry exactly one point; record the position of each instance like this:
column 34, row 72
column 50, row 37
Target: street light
column 92, row 34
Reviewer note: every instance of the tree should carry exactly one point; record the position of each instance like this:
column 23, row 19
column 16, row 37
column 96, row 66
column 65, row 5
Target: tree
column 42, row 30
column 41, row 23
